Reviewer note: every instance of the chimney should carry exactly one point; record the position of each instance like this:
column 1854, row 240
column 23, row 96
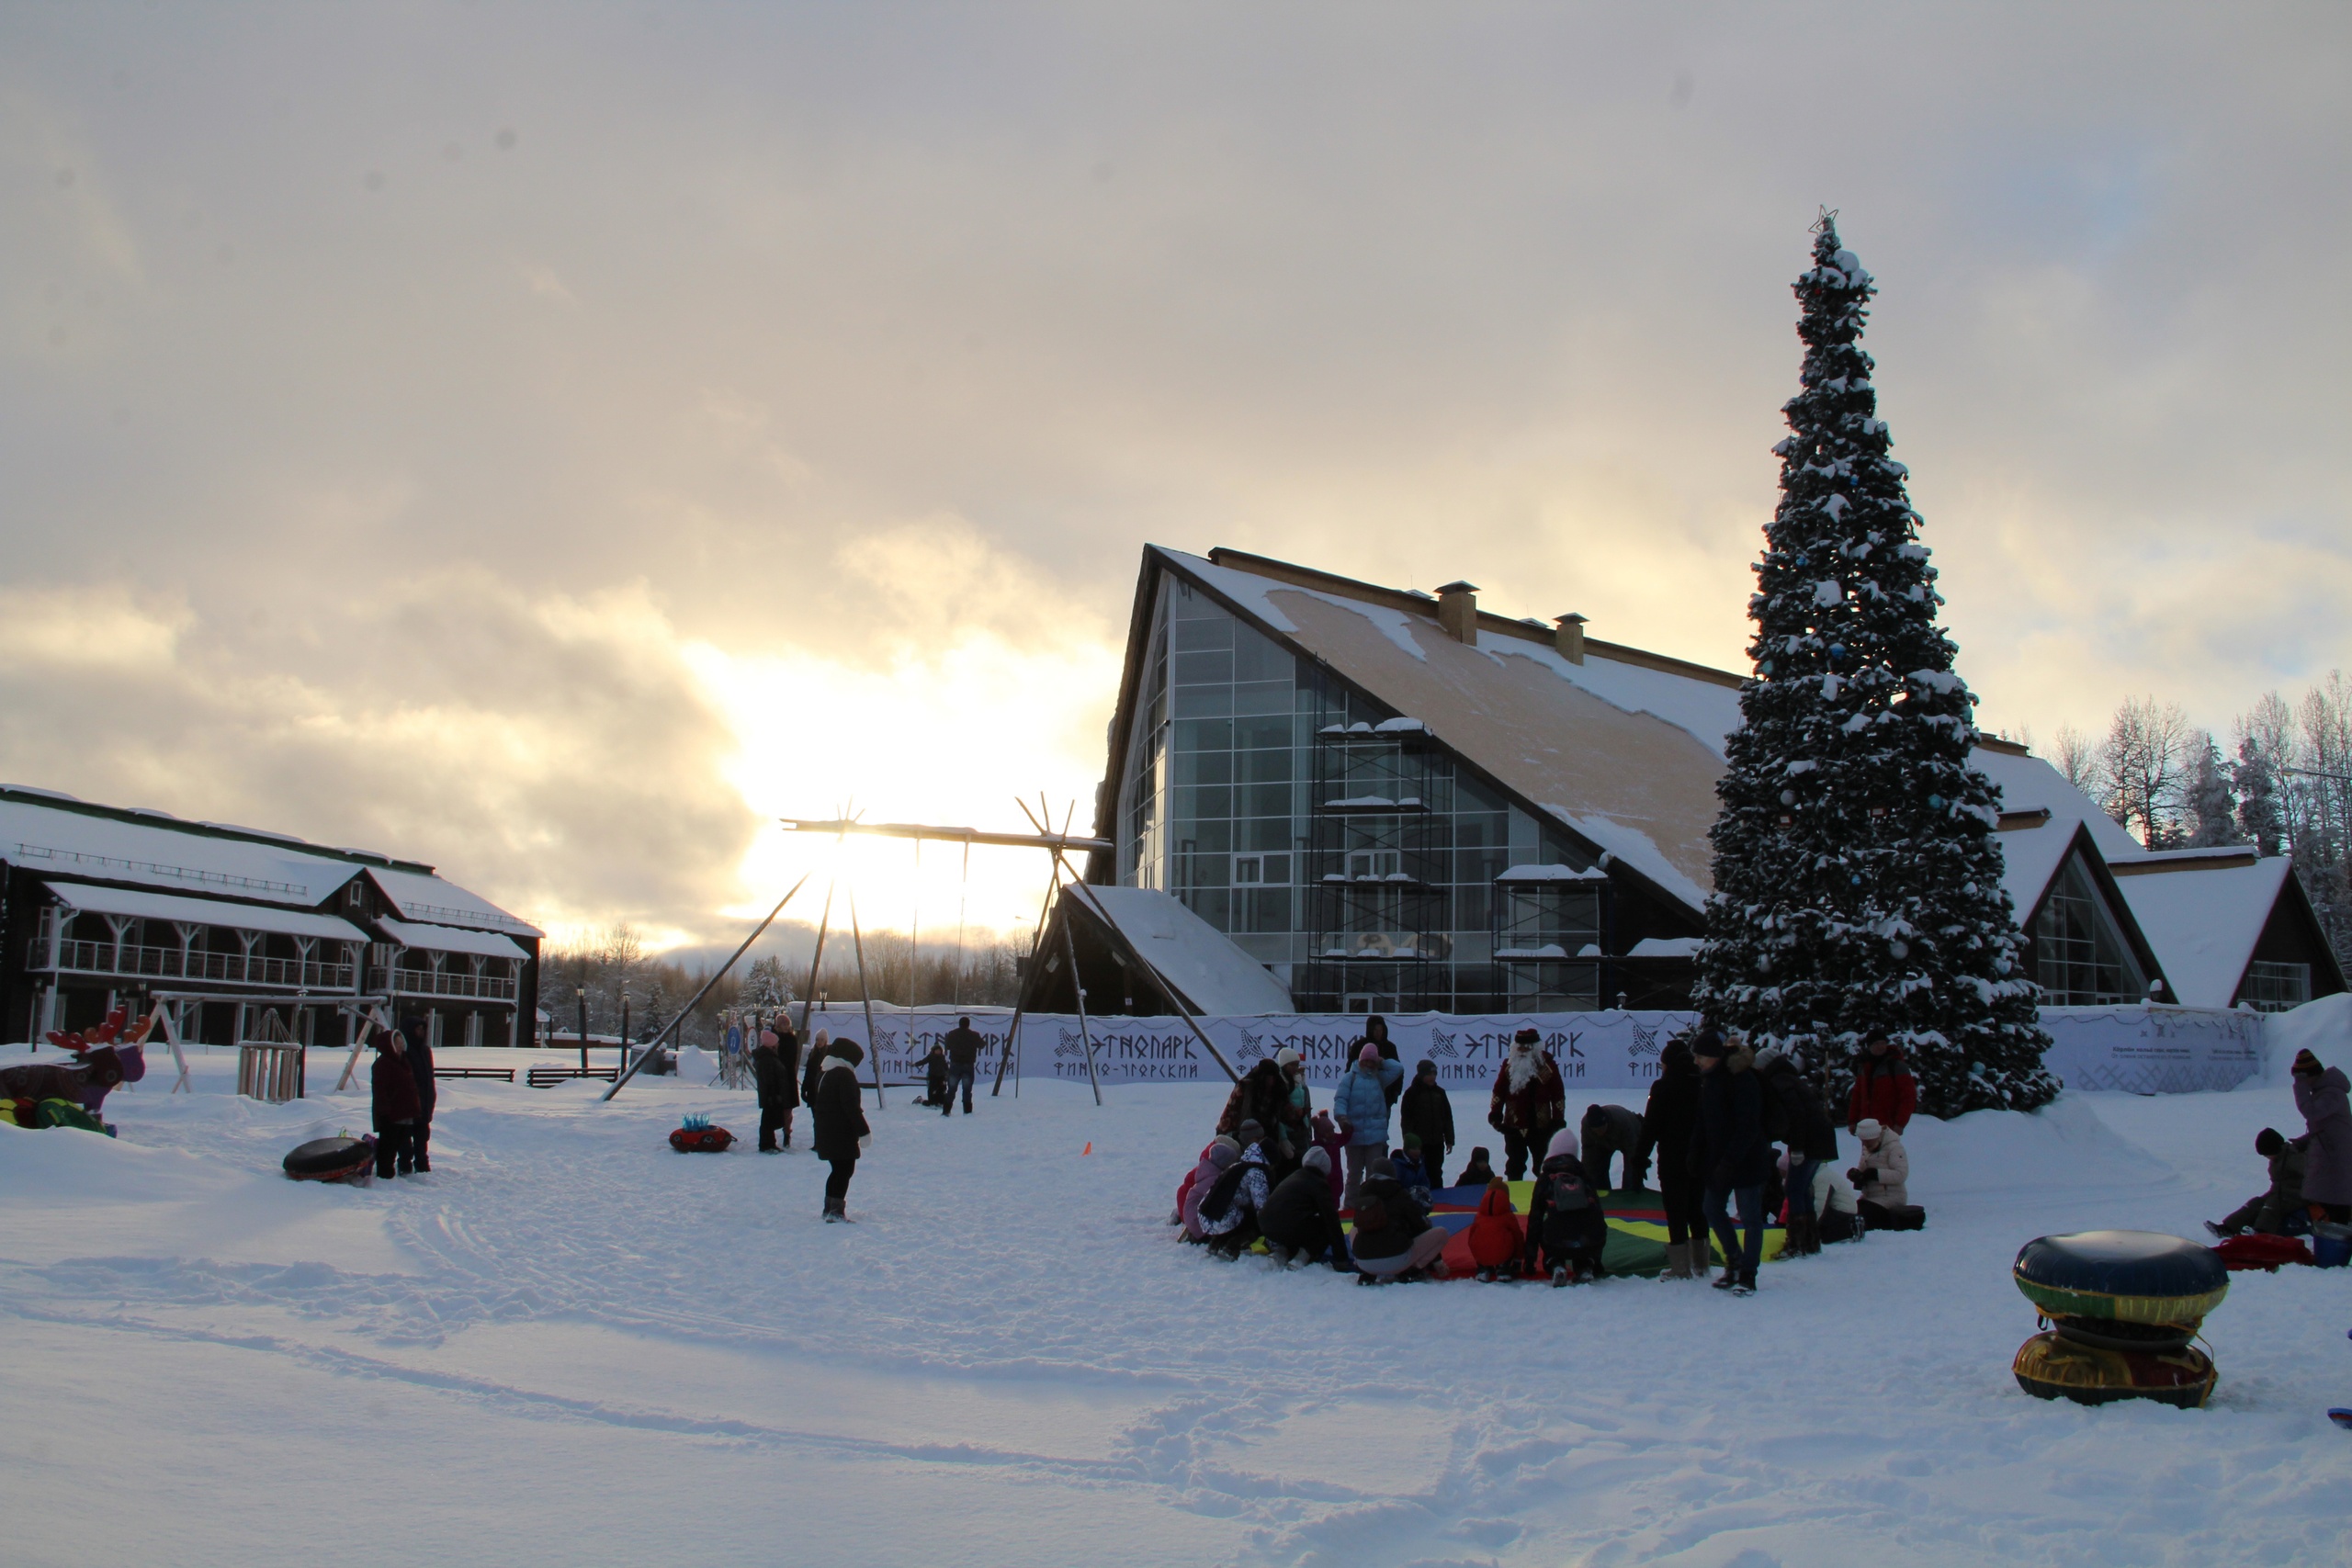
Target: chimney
column 1457, row 611
column 1570, row 638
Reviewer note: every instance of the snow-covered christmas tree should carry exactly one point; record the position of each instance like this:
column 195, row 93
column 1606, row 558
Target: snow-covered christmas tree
column 1858, row 881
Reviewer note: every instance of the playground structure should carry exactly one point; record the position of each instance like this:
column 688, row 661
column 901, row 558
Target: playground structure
column 1062, row 882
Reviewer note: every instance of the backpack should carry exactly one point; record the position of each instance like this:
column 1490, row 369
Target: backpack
column 1220, row 1196
column 1568, row 1199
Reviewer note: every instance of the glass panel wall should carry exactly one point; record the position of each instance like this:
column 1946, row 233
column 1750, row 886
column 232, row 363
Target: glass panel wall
column 2079, row 955
column 1357, row 863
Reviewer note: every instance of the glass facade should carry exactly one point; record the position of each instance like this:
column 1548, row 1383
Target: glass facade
column 2274, row 987
column 2080, row 957
column 1334, row 840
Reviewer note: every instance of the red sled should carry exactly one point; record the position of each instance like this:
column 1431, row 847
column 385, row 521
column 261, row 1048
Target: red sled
column 701, row 1140
column 2264, row 1252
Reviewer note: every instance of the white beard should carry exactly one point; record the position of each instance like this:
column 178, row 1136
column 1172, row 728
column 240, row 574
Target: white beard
column 1521, row 1065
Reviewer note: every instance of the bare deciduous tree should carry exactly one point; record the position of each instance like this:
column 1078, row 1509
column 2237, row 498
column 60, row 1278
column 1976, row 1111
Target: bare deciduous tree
column 2143, row 764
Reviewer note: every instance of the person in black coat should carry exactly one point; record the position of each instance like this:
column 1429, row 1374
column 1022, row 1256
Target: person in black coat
column 819, row 1043
column 1301, row 1220
column 393, row 1106
column 839, row 1110
column 1810, row 1137
column 964, row 1046
column 417, row 1042
column 1731, row 1153
column 772, row 1075
column 1427, row 1114
column 1669, row 1126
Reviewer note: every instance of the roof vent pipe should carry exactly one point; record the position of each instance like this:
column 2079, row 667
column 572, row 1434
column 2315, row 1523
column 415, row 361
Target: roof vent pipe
column 1569, row 638
column 1457, row 611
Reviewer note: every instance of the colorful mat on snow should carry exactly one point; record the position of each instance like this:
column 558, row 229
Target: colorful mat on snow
column 1636, row 1227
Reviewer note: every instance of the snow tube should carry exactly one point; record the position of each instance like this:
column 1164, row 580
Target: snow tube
column 51, row 1112
column 701, row 1140
column 332, row 1159
column 2127, row 1276
column 2050, row 1366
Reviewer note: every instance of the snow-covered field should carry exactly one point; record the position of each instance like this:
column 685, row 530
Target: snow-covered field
column 569, row 1344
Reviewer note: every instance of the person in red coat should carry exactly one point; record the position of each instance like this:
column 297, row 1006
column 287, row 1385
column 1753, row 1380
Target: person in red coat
column 1884, row 1091
column 1497, row 1236
column 396, row 1106
column 1529, row 1103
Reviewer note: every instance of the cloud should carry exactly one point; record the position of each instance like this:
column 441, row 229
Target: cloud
column 792, row 373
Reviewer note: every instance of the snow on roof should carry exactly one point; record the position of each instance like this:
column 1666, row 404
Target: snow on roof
column 432, row 901
column 1552, row 874
column 1190, row 955
column 2204, row 920
column 450, row 939
column 1664, row 947
column 1625, row 754
column 45, row 839
column 202, row 911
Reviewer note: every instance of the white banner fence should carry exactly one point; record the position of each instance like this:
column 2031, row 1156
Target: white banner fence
column 2141, row 1049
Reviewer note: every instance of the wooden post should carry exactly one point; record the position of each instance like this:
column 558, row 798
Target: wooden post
column 1036, row 945
column 824, row 923
column 630, row 1071
column 1078, row 989
column 866, row 997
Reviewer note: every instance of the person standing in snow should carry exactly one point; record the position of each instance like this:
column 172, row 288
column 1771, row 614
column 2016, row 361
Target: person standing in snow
column 1564, row 1219
column 1883, row 1090
column 1360, row 1105
column 778, row 1094
column 819, row 1043
column 1529, row 1104
column 1375, row 1034
column 1731, row 1153
column 1302, row 1218
column 1427, row 1113
column 1805, row 1128
column 1263, row 1097
column 1298, row 1104
column 964, row 1046
column 1325, row 1134
column 838, row 1111
column 417, row 1050
column 393, row 1106
column 1670, row 1125
column 2321, row 1094
column 1883, row 1179
column 2280, row 1211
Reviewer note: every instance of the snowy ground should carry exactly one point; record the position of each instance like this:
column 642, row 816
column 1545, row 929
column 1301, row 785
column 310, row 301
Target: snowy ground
column 569, row 1345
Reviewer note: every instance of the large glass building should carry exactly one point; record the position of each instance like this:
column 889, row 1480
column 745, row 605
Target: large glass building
column 1394, row 801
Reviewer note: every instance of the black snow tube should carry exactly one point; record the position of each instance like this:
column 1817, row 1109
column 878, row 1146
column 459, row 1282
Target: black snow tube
column 2126, row 1277
column 331, row 1159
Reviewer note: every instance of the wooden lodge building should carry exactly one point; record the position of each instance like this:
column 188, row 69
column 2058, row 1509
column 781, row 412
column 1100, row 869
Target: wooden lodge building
column 1394, row 801
column 226, row 925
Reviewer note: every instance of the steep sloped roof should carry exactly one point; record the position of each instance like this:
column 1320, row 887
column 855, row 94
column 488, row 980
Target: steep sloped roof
column 450, row 939
column 2204, row 916
column 433, row 901
column 138, row 905
column 1191, row 957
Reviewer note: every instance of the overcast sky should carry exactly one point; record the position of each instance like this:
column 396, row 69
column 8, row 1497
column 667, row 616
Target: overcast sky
column 550, row 441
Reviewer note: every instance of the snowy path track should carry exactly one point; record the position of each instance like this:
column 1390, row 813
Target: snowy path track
column 598, row 1349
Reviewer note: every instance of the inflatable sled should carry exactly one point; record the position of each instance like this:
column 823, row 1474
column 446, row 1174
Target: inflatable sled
column 2124, row 1275
column 2264, row 1252
column 2053, row 1366
column 699, row 1138
column 51, row 1112
column 332, row 1159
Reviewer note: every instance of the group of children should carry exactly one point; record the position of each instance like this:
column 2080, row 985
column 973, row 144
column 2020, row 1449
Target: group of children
column 1281, row 1171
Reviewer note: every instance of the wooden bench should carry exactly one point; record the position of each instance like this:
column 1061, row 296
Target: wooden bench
column 548, row 1077
column 506, row 1074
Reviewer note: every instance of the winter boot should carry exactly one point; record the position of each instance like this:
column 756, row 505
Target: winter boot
column 1678, row 1261
column 1744, row 1285
column 1559, row 1277
column 1803, row 1236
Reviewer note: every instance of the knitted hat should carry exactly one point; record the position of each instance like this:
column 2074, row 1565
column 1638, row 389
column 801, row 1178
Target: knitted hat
column 1250, row 1131
column 1708, row 1044
column 1224, row 1152
column 1226, row 1142
column 1867, row 1128
column 849, row 1051
column 1412, row 1143
column 1285, row 1057
column 1564, row 1142
column 1318, row 1159
column 2307, row 1062
column 1370, row 1054
column 2269, row 1142
column 1427, row 1069
column 1527, row 1037
column 1378, row 1165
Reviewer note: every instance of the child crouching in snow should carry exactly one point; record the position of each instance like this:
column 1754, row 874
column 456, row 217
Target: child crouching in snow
column 1564, row 1220
column 1394, row 1239
column 839, row 1110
